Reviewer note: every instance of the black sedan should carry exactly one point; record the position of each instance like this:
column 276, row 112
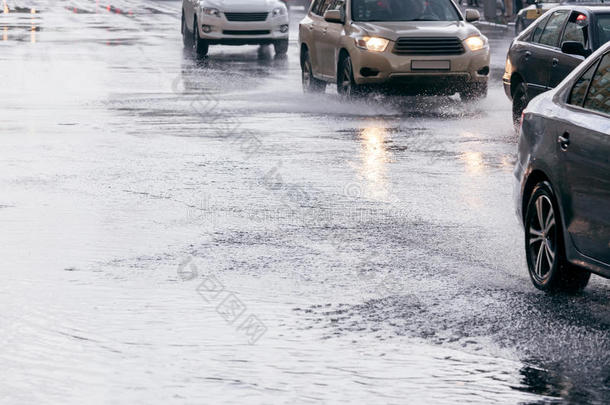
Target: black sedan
column 543, row 55
column 563, row 178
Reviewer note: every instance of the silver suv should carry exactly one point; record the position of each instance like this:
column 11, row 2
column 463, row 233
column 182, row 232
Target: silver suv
column 209, row 22
column 418, row 46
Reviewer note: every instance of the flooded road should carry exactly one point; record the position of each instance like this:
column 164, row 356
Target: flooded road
column 183, row 230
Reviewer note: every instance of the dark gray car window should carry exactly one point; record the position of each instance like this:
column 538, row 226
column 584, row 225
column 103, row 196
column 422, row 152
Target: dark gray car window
column 577, row 95
column 598, row 97
column 603, row 28
column 535, row 37
column 577, row 29
column 552, row 30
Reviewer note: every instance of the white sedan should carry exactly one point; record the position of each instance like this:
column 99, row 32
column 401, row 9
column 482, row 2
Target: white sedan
column 234, row 22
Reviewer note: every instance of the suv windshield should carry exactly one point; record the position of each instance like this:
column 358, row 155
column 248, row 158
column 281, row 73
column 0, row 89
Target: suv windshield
column 603, row 28
column 404, row 10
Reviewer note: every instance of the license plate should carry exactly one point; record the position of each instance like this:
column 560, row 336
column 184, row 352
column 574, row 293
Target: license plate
column 533, row 14
column 430, row 65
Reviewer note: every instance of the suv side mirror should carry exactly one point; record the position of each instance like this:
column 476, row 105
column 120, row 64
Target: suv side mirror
column 574, row 48
column 472, row 15
column 333, row 16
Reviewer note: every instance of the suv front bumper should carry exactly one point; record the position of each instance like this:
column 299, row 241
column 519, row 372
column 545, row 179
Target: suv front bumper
column 465, row 69
column 219, row 30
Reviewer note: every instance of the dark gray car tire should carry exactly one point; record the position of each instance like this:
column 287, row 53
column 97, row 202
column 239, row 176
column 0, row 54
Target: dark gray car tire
column 548, row 267
column 520, row 102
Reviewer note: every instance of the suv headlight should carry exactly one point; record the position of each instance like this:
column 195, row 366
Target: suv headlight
column 373, row 44
column 476, row 42
column 211, row 11
column 278, row 11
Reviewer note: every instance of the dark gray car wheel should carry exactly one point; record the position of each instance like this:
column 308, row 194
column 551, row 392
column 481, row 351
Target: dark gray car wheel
column 548, row 268
column 310, row 83
column 520, row 102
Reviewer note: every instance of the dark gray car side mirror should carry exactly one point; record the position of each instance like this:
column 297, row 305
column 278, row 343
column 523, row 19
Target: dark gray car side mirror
column 574, row 48
column 333, row 16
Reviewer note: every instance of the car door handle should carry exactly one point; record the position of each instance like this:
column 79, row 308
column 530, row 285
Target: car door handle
column 564, row 141
column 555, row 62
column 527, row 54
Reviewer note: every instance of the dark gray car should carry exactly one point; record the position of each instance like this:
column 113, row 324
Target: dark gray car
column 543, row 55
column 563, row 178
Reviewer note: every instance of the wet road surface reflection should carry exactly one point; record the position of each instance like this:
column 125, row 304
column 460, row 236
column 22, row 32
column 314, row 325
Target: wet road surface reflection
column 24, row 19
column 374, row 238
column 375, row 157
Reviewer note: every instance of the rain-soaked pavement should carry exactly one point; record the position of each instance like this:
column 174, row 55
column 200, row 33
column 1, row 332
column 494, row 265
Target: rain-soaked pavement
column 368, row 249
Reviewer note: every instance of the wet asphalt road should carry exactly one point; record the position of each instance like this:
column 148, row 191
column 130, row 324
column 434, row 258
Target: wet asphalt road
column 375, row 240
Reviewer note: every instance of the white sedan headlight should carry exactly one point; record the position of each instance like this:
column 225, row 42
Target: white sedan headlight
column 475, row 43
column 373, row 44
column 211, row 11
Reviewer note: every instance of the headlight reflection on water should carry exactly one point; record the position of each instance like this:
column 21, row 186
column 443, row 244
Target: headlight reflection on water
column 375, row 157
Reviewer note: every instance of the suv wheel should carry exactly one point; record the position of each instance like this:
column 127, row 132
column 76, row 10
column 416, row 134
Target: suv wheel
column 280, row 47
column 474, row 92
column 310, row 83
column 346, row 86
column 186, row 34
column 520, row 101
column 548, row 268
column 201, row 46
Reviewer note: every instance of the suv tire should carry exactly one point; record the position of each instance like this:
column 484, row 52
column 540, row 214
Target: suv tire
column 474, row 92
column 187, row 36
column 544, row 247
column 280, row 47
column 201, row 46
column 346, row 86
column 310, row 83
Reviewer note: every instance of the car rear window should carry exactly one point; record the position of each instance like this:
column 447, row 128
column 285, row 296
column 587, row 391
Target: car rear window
column 603, row 28
column 404, row 10
column 579, row 91
column 598, row 98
